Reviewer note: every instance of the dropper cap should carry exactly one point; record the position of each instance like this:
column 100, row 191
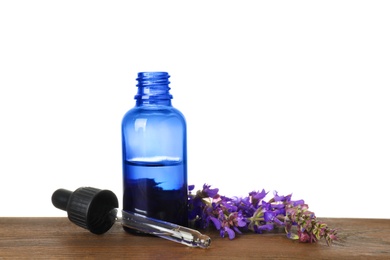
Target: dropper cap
column 87, row 207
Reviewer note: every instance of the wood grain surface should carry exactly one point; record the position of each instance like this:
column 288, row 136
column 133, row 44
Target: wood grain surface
column 58, row 238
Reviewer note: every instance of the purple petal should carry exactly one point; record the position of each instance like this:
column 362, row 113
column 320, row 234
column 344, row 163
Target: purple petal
column 265, row 205
column 277, row 221
column 268, row 227
column 277, row 197
column 230, row 233
column 241, row 222
column 280, row 212
column 210, row 192
column 258, row 195
column 278, row 206
column 237, row 230
column 216, row 222
column 269, row 216
column 298, row 202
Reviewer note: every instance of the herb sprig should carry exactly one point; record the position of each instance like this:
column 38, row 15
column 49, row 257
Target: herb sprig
column 236, row 215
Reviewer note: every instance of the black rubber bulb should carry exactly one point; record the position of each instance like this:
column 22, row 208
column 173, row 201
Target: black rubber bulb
column 88, row 207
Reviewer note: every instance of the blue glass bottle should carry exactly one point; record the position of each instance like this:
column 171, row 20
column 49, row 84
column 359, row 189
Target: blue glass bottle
column 154, row 146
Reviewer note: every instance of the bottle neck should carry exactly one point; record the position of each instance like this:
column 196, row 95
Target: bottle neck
column 153, row 89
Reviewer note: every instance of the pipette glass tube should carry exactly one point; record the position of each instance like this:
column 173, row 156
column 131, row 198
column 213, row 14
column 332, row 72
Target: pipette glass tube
column 166, row 230
column 96, row 210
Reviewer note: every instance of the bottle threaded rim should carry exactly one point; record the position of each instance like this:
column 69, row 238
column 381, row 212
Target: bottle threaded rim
column 153, row 86
column 152, row 78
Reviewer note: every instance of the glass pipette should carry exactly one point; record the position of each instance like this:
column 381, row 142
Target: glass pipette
column 97, row 211
column 163, row 229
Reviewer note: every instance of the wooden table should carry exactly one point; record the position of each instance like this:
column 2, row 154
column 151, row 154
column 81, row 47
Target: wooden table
column 56, row 238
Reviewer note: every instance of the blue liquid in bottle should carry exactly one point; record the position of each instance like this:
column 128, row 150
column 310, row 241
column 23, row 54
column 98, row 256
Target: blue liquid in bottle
column 154, row 146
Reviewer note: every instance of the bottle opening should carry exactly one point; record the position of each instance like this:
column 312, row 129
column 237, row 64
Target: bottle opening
column 152, row 78
column 153, row 86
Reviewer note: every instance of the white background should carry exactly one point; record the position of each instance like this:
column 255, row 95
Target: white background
column 291, row 96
